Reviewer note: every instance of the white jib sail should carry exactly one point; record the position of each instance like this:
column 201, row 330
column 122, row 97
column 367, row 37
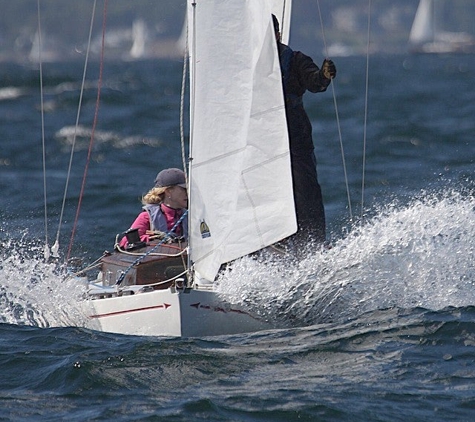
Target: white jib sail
column 241, row 197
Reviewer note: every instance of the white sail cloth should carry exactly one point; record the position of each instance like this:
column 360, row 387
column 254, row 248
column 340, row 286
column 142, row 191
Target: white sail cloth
column 423, row 30
column 241, row 197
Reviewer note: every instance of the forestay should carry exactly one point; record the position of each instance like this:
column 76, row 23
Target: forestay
column 241, row 196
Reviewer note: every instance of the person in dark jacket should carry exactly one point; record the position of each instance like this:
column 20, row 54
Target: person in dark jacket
column 301, row 74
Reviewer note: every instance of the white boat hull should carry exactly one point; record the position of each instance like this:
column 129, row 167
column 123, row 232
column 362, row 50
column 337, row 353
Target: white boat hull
column 171, row 313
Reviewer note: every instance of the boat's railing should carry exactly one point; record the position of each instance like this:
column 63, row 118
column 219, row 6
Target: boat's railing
column 99, row 291
column 169, row 255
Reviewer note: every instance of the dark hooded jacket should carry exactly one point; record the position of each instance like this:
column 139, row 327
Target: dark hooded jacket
column 299, row 74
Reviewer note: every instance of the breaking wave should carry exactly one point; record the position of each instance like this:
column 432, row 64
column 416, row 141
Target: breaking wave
column 419, row 255
column 81, row 135
column 34, row 292
column 415, row 256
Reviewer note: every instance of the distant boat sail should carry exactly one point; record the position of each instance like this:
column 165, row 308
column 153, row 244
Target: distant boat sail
column 139, row 36
column 423, row 30
column 425, row 37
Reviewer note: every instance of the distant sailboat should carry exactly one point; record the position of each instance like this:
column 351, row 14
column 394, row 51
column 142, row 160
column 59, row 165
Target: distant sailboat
column 426, row 38
column 139, row 36
column 44, row 48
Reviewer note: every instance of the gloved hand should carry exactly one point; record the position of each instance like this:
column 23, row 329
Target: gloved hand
column 328, row 69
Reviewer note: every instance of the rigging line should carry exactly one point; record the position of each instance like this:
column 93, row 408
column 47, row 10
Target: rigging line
column 337, row 116
column 182, row 102
column 91, row 142
column 365, row 110
column 191, row 47
column 40, row 62
column 56, row 244
column 281, row 19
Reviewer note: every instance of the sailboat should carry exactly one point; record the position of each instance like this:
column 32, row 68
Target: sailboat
column 425, row 37
column 45, row 48
column 139, row 36
column 239, row 181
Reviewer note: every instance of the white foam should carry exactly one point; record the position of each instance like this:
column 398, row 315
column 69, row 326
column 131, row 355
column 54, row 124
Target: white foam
column 10, row 93
column 37, row 293
column 420, row 255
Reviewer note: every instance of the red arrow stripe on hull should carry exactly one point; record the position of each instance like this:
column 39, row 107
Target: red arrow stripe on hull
column 164, row 306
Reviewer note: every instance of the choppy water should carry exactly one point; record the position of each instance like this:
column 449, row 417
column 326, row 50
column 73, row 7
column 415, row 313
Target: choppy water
column 387, row 313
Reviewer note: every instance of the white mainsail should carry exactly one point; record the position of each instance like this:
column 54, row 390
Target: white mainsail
column 423, row 30
column 241, row 196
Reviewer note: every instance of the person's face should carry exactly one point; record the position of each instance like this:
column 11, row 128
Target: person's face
column 177, row 197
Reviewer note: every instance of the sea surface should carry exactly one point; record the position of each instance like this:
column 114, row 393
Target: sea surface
column 379, row 328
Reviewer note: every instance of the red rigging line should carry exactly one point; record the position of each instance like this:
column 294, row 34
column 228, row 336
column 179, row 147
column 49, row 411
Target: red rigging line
column 91, row 141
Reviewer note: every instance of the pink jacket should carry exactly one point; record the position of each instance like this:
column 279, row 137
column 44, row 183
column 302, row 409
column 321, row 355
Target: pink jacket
column 142, row 222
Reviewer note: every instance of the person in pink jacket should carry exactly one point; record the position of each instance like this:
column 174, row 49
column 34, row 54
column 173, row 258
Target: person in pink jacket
column 163, row 206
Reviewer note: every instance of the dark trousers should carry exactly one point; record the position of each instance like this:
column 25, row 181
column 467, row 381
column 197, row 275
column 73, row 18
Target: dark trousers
column 308, row 199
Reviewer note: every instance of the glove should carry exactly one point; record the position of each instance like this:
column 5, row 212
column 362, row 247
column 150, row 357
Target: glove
column 328, row 69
